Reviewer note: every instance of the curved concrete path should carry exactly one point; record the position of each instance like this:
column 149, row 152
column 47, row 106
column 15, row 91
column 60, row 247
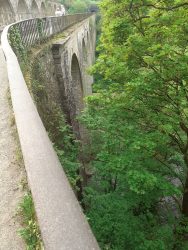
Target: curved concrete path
column 11, row 170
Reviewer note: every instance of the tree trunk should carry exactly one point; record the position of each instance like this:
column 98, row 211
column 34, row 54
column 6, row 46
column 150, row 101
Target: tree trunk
column 185, row 198
column 185, row 194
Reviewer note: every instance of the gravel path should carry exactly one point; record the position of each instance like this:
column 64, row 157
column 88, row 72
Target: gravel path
column 11, row 170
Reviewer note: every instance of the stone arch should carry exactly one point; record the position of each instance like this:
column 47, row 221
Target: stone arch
column 84, row 52
column 6, row 5
column 76, row 75
column 6, row 12
column 77, row 95
column 91, row 41
column 43, row 9
column 22, row 10
column 34, row 9
column 86, row 63
column 91, row 33
column 50, row 9
column 88, row 40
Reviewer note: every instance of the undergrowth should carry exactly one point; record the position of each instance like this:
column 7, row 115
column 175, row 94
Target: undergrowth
column 54, row 120
column 30, row 231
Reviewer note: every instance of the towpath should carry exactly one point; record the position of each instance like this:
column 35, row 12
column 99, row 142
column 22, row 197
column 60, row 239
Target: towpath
column 11, row 169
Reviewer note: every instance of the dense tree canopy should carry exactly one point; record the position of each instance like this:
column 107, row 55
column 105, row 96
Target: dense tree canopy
column 137, row 198
column 79, row 6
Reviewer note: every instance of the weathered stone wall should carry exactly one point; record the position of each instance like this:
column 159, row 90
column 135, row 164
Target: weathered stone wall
column 64, row 66
column 15, row 10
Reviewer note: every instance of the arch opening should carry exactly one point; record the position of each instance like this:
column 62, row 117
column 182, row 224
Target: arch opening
column 34, row 9
column 43, row 9
column 50, row 9
column 88, row 41
column 6, row 12
column 76, row 76
column 84, row 52
column 86, row 63
column 77, row 101
column 22, row 10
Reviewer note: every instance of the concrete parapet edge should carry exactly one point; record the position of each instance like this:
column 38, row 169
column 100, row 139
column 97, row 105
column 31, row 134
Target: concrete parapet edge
column 61, row 220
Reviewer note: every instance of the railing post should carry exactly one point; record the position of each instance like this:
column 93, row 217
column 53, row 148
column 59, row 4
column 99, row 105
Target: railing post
column 50, row 26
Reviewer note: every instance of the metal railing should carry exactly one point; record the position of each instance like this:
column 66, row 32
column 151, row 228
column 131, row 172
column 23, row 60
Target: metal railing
column 36, row 30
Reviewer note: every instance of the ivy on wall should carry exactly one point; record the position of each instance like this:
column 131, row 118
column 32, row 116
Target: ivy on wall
column 17, row 43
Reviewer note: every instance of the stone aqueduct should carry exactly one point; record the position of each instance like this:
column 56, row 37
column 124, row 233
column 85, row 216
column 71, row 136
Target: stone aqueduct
column 15, row 10
column 61, row 220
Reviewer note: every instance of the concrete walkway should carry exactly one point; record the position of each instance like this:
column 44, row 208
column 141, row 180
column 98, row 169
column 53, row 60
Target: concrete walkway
column 11, row 170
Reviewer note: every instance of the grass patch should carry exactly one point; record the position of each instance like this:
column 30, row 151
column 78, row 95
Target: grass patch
column 30, row 231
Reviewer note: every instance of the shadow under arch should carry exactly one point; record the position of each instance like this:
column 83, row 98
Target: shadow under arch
column 6, row 12
column 79, row 130
column 22, row 10
column 88, row 40
column 77, row 102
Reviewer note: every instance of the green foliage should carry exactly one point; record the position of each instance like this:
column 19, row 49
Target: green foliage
column 138, row 120
column 17, row 44
column 117, row 226
column 30, row 233
column 65, row 144
column 39, row 26
column 41, row 31
column 37, row 81
column 80, row 6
